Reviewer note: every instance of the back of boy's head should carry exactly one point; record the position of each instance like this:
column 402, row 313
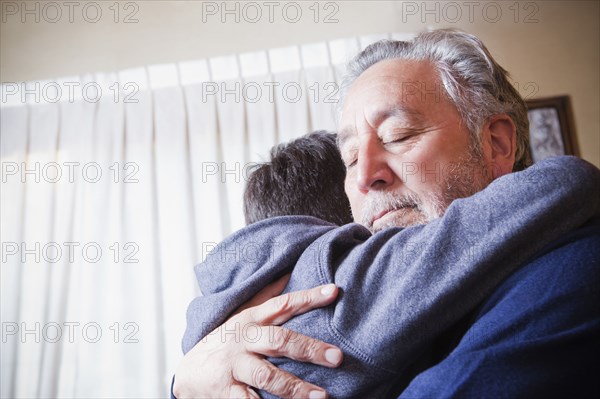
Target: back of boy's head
column 304, row 177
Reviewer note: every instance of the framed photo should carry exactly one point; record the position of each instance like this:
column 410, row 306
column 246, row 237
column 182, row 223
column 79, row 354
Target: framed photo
column 551, row 127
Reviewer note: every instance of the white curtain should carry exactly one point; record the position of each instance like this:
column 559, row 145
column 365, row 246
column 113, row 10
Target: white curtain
column 110, row 197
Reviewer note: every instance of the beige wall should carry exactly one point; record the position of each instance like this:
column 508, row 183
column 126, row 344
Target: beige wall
column 555, row 50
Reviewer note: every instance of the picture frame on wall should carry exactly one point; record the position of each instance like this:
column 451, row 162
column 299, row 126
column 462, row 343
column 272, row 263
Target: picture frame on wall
column 551, row 127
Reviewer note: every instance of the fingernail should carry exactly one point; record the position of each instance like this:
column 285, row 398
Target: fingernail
column 333, row 356
column 317, row 395
column 328, row 289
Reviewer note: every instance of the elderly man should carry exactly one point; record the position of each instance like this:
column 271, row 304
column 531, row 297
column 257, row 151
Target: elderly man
column 409, row 153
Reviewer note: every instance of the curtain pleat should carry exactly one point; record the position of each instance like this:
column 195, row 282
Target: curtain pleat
column 124, row 194
column 14, row 138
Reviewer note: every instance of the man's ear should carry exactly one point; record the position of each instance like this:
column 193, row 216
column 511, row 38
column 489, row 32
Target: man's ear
column 503, row 141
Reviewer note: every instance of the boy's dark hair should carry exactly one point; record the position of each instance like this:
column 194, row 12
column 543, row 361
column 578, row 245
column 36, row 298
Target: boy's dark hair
column 304, row 177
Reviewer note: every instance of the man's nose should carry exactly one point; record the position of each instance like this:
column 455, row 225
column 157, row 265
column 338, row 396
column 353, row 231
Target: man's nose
column 373, row 171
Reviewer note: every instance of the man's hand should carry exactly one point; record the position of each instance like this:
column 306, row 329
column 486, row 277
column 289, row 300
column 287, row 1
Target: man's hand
column 231, row 359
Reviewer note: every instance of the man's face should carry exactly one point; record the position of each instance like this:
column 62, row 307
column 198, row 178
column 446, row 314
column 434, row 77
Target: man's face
column 406, row 149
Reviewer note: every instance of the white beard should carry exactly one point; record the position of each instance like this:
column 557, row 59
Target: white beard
column 460, row 181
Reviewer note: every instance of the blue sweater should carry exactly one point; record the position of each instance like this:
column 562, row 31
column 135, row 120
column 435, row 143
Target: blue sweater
column 536, row 336
column 400, row 288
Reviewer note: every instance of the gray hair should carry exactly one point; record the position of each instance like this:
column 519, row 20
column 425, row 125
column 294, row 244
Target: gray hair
column 472, row 80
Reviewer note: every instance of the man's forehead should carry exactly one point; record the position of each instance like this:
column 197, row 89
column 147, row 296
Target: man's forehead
column 397, row 74
column 394, row 80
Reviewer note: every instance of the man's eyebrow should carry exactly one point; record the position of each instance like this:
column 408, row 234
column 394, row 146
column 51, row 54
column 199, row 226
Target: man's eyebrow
column 413, row 115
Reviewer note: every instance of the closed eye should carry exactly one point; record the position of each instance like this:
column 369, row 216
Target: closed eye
column 397, row 140
column 350, row 160
column 350, row 157
column 401, row 136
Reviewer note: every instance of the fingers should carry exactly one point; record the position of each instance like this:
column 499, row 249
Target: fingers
column 280, row 342
column 272, row 340
column 280, row 309
column 274, row 288
column 261, row 374
column 268, row 292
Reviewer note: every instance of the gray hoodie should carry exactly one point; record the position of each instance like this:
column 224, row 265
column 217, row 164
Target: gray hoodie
column 402, row 287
